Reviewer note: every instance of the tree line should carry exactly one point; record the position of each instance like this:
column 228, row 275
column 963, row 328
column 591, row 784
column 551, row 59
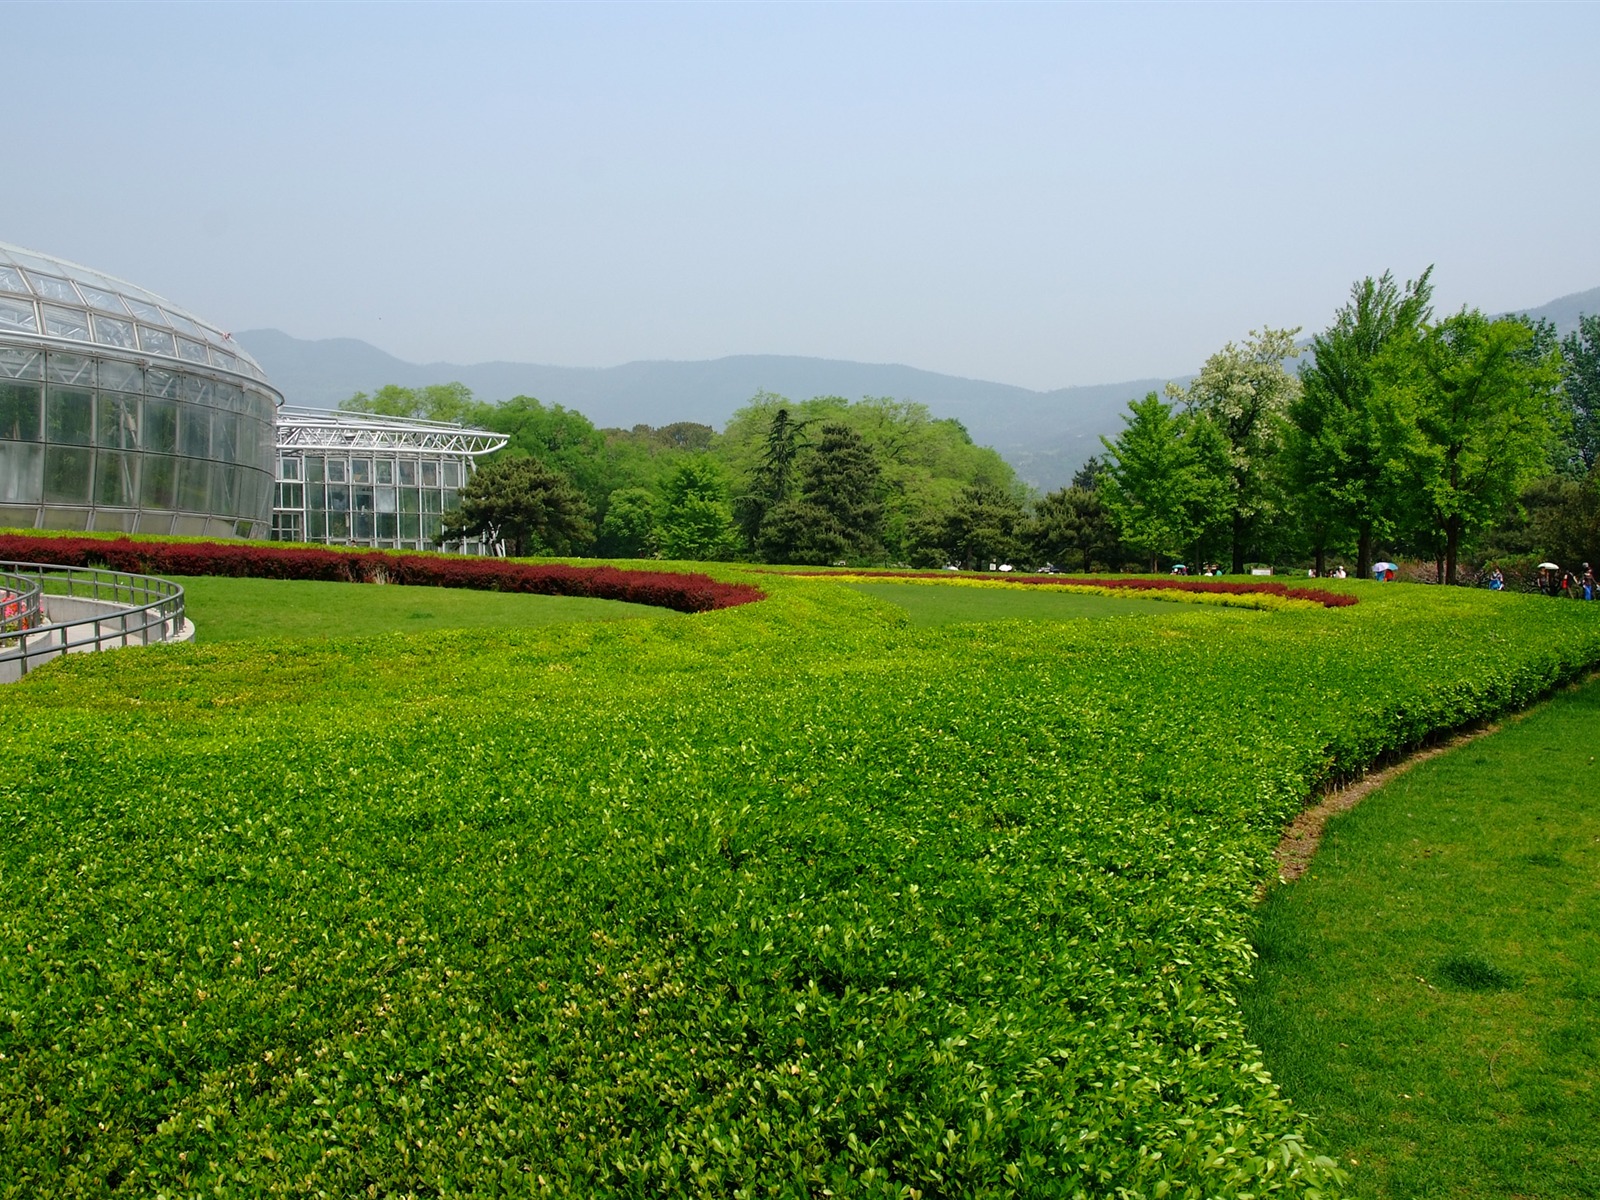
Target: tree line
column 1395, row 433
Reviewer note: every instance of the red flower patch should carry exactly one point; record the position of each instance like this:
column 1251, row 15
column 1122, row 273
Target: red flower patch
column 662, row 589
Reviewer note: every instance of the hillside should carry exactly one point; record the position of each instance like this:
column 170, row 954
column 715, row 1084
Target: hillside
column 1045, row 435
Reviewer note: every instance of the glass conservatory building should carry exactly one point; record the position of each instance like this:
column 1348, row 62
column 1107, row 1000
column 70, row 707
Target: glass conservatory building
column 352, row 479
column 121, row 411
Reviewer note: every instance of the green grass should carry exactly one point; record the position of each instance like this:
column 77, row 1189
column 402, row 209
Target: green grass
column 785, row 899
column 225, row 610
column 1430, row 991
column 929, row 604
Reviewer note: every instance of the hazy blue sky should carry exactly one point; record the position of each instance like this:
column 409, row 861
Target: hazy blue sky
column 1038, row 194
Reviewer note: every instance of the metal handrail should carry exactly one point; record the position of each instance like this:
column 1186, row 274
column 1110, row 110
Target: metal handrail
column 19, row 603
column 146, row 609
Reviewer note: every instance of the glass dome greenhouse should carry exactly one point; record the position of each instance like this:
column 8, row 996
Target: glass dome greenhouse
column 121, row 411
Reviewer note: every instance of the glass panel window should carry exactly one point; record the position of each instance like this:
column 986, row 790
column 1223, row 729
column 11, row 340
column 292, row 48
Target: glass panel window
column 70, row 368
column 18, row 316
column 196, row 389
column 384, row 500
column 430, row 473
column 66, row 322
column 360, row 470
column 158, row 483
column 317, row 526
column 336, row 471
column 408, row 527
column 160, row 383
column 193, row 351
column 317, row 496
column 67, row 474
column 361, row 498
column 69, row 416
column 290, row 495
column 385, row 471
column 20, row 404
column 339, row 526
column 182, row 322
column 100, row 298
column 160, row 426
column 409, row 503
column 338, row 497
column 430, row 500
column 121, row 376
column 157, row 341
column 116, row 479
column 314, row 468
column 117, row 426
column 408, row 473
column 450, row 473
column 21, row 473
column 52, row 288
column 194, row 431
column 11, row 280
column 225, row 440
column 194, row 485
column 387, row 524
column 17, row 363
column 145, row 312
column 362, row 526
column 430, row 529
column 109, row 331
column 450, row 500
column 288, row 468
column 223, row 359
column 225, row 481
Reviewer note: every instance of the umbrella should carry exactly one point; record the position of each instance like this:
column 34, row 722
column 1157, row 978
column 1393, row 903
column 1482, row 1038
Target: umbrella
column 1384, row 566
column 1549, row 566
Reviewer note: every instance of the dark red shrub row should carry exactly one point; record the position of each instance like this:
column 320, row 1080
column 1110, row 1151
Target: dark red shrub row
column 1178, row 583
column 663, row 589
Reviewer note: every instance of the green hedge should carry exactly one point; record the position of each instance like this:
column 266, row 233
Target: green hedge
column 790, row 900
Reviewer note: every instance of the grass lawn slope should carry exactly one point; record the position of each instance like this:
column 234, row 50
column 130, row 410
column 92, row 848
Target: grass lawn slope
column 1430, row 991
column 231, row 609
column 792, row 898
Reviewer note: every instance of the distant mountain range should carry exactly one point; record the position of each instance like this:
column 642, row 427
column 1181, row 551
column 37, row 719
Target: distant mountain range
column 1044, row 435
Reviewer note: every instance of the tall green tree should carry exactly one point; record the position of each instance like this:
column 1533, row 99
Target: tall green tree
column 696, row 521
column 1580, row 386
column 629, row 528
column 525, row 504
column 1472, row 407
column 1245, row 392
column 983, row 524
column 772, row 479
column 836, row 514
column 1335, row 452
column 1167, row 478
column 1072, row 527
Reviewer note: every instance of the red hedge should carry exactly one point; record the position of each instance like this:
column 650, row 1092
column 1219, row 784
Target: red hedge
column 1178, row 583
column 663, row 589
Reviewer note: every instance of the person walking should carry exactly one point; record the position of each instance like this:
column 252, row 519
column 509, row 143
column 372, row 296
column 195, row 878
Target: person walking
column 1588, row 582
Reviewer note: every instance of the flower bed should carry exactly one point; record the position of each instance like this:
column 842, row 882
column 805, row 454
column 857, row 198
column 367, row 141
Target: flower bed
column 663, row 589
column 1177, row 583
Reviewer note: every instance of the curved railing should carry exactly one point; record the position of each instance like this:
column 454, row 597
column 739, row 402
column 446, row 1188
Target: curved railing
column 19, row 603
column 99, row 610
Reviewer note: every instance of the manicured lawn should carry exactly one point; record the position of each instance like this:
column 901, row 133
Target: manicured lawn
column 227, row 610
column 1430, row 991
column 932, row 605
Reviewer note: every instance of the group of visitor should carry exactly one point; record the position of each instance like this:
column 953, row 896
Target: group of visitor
column 1338, row 572
column 1569, row 585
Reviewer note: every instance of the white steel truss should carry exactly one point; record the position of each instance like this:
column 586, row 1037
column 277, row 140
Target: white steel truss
column 320, row 429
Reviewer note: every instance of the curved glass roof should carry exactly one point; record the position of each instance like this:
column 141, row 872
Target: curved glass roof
column 57, row 299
